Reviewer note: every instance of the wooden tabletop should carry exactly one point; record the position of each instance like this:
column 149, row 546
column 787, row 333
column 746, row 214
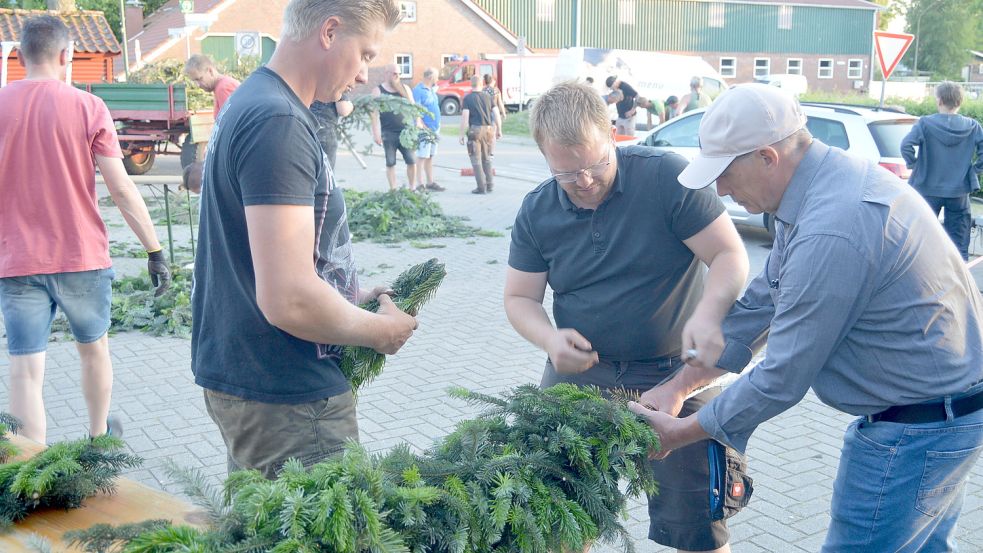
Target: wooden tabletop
column 133, row 502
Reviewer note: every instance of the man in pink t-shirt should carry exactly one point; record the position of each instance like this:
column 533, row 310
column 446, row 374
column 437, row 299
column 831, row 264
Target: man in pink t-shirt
column 202, row 71
column 54, row 248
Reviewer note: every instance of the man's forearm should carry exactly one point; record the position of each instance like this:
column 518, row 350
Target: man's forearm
column 725, row 280
column 134, row 211
column 530, row 320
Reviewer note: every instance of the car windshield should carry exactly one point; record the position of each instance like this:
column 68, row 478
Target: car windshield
column 681, row 133
column 888, row 135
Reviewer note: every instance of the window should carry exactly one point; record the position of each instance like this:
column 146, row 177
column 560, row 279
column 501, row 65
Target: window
column 626, row 12
column 404, row 62
column 716, row 18
column 854, row 69
column 408, row 11
column 446, row 58
column 762, row 66
column 826, row 68
column 728, row 67
column 794, row 66
column 831, row 133
column 545, row 10
column 785, row 17
column 683, row 133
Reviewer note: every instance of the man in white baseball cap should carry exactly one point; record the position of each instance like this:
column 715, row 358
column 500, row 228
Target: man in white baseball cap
column 866, row 301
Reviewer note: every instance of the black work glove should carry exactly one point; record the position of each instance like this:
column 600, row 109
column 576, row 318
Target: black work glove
column 160, row 274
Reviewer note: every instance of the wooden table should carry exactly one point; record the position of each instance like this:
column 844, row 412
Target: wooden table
column 133, row 502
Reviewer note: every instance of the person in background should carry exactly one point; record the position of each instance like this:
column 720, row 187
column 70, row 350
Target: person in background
column 328, row 114
column 496, row 95
column 625, row 124
column 949, row 159
column 696, row 98
column 480, row 126
column 672, row 107
column 425, row 95
column 655, row 112
column 202, row 71
column 54, row 248
column 387, row 126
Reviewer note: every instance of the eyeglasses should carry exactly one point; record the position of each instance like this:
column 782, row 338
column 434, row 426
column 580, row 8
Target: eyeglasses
column 592, row 171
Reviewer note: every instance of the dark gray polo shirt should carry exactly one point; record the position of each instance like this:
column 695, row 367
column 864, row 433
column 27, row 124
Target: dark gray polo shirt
column 620, row 274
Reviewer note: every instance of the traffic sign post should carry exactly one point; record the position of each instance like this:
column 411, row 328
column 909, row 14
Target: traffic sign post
column 248, row 43
column 187, row 6
column 890, row 48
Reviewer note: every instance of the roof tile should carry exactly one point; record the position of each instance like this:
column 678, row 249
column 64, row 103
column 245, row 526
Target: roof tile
column 89, row 29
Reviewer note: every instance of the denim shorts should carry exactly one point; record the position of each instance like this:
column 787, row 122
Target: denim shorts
column 426, row 150
column 28, row 304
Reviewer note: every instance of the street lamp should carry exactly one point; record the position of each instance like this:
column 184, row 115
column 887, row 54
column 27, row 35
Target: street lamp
column 918, row 31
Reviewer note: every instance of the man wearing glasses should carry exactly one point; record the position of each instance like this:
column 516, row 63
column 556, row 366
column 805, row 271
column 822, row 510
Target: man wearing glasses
column 623, row 247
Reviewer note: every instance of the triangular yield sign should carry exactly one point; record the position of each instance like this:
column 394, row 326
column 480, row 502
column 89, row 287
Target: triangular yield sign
column 890, row 48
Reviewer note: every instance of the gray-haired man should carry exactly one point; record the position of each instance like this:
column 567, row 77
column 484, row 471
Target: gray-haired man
column 865, row 301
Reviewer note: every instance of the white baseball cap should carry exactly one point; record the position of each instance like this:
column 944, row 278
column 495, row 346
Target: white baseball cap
column 743, row 119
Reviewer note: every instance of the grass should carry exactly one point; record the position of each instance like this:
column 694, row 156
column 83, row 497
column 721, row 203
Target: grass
column 517, row 124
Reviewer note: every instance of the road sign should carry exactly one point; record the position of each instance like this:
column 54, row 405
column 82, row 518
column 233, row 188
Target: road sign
column 187, row 6
column 890, row 48
column 248, row 44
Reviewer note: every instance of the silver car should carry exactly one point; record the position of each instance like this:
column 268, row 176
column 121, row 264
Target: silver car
column 871, row 133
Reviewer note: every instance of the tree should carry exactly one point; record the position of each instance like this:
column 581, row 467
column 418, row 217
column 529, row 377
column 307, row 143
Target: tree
column 109, row 8
column 945, row 31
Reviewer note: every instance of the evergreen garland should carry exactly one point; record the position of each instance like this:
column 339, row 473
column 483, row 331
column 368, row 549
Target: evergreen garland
column 538, row 472
column 61, row 476
column 411, row 289
column 8, row 423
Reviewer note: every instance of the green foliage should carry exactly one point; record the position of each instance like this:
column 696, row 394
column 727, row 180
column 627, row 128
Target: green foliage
column 945, row 31
column 517, row 124
column 400, row 215
column 8, row 423
column 365, row 106
column 539, row 472
column 61, row 476
column 411, row 289
column 135, row 307
column 105, row 537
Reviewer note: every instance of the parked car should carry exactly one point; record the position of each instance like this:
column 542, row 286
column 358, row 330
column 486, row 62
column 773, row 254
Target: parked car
column 868, row 132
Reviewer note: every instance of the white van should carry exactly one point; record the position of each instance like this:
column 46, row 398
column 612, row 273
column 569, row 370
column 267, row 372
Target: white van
column 796, row 84
column 654, row 75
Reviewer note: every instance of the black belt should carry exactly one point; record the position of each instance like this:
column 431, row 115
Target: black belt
column 929, row 412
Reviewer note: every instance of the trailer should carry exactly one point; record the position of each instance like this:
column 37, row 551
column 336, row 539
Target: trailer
column 151, row 119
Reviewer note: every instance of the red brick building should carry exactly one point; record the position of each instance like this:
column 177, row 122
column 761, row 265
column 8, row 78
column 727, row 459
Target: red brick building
column 95, row 45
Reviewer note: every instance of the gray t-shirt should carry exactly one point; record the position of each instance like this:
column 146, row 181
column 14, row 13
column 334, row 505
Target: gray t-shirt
column 264, row 151
column 621, row 275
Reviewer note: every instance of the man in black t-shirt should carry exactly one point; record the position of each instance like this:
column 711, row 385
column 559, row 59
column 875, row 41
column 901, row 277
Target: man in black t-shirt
column 276, row 291
column 623, row 246
column 625, row 124
column 481, row 123
column 328, row 114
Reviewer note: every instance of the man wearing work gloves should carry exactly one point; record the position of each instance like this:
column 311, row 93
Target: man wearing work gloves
column 624, row 248
column 864, row 300
column 54, row 249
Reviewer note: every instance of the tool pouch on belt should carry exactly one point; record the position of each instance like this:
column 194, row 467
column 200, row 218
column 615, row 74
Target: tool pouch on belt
column 730, row 486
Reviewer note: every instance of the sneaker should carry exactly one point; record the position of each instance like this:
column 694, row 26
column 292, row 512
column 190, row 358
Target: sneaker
column 477, row 191
column 435, row 187
column 114, row 426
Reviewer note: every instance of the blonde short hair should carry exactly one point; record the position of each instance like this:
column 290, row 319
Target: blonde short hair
column 303, row 17
column 569, row 114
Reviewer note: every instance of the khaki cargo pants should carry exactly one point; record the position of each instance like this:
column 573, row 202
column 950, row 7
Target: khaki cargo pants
column 262, row 436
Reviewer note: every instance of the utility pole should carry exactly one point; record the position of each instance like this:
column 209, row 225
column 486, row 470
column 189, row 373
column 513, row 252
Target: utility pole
column 918, row 30
column 122, row 32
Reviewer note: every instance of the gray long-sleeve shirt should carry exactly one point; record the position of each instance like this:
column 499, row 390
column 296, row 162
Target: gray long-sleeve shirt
column 863, row 298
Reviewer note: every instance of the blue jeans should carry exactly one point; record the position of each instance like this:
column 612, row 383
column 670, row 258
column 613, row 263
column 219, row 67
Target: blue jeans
column 958, row 219
column 29, row 302
column 900, row 487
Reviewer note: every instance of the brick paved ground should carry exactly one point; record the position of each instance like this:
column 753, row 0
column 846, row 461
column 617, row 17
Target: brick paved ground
column 464, row 339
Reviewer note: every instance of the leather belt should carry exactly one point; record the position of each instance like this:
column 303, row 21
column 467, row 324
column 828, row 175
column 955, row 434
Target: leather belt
column 929, row 412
